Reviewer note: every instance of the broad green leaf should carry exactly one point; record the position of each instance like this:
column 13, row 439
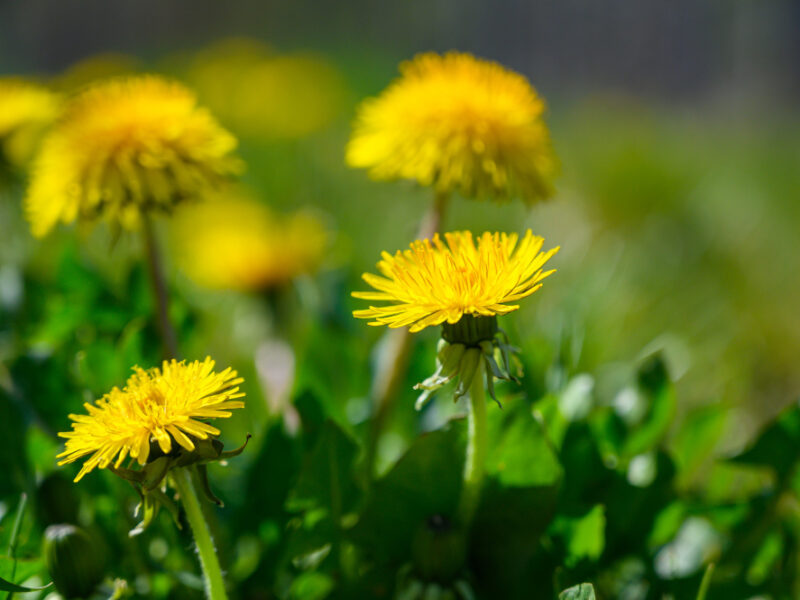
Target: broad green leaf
column 583, row 591
column 326, row 477
column 519, row 453
column 506, row 534
column 425, row 482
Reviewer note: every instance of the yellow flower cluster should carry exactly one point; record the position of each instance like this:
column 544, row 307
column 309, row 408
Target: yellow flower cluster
column 167, row 405
column 235, row 242
column 26, row 110
column 456, row 122
column 124, row 147
column 434, row 281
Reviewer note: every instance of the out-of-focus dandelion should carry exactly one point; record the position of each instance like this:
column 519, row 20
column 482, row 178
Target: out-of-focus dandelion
column 463, row 286
column 124, row 148
column 159, row 421
column 457, row 123
column 26, row 110
column 236, row 242
column 96, row 68
column 268, row 96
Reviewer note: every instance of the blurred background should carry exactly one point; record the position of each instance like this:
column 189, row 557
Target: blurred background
column 677, row 126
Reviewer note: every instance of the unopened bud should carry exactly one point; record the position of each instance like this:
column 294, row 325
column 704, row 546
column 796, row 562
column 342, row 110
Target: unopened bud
column 75, row 560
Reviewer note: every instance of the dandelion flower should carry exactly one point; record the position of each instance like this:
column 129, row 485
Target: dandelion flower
column 236, row 242
column 165, row 406
column 26, row 110
column 436, row 282
column 124, row 147
column 456, row 122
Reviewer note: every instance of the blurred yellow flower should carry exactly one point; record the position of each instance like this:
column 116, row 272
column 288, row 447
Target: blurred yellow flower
column 26, row 110
column 166, row 406
column 236, row 242
column 124, row 147
column 95, row 68
column 456, row 122
column 267, row 96
column 434, row 282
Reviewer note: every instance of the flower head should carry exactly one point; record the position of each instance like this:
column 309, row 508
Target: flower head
column 236, row 242
column 436, row 282
column 165, row 406
column 123, row 147
column 456, row 122
column 26, row 110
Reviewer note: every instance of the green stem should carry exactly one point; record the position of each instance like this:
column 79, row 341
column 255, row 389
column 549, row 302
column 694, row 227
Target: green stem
column 391, row 370
column 159, row 286
column 12, row 543
column 215, row 585
column 706, row 581
column 477, row 446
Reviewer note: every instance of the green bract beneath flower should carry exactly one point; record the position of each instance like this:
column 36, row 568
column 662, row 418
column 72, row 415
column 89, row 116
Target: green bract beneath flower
column 466, row 347
column 149, row 481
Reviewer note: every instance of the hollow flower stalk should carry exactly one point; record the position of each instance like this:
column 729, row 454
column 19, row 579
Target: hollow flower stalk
column 457, row 123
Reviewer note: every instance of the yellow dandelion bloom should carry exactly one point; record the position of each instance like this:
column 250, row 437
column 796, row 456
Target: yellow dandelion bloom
column 456, row 122
column 434, row 282
column 26, row 110
column 165, row 406
column 123, row 147
column 236, row 242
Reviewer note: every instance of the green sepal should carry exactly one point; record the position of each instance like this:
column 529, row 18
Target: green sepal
column 205, row 486
column 149, row 506
column 457, row 361
column 154, row 473
column 236, row 452
column 127, row 474
column 469, row 364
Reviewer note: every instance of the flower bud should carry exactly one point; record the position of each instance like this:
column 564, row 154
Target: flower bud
column 75, row 560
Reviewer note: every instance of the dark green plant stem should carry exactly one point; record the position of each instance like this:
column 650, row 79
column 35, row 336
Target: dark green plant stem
column 393, row 365
column 159, row 287
column 12, row 542
column 706, row 581
column 212, row 573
